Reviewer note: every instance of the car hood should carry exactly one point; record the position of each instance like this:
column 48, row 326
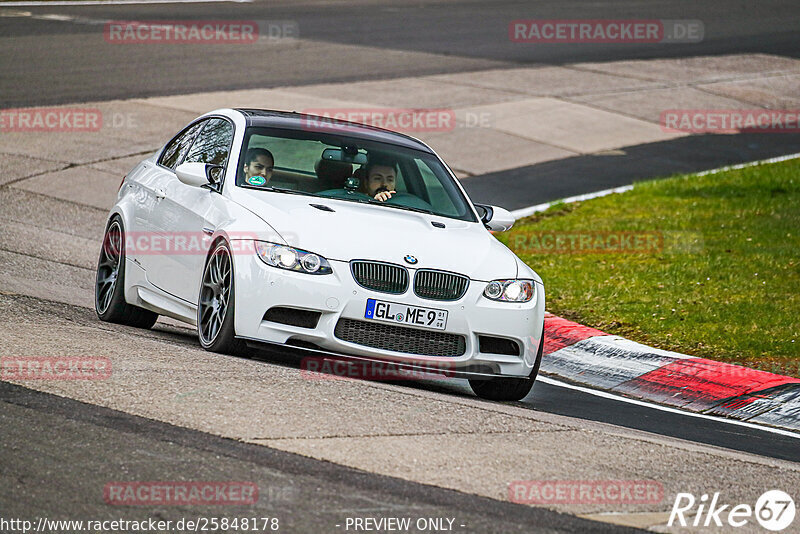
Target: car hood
column 362, row 231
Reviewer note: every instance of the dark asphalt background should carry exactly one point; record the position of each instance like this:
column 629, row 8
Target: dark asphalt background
column 52, row 62
column 554, row 180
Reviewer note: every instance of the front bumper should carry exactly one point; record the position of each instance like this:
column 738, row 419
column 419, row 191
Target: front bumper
column 336, row 296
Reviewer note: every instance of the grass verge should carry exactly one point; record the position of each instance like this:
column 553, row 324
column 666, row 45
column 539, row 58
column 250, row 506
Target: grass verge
column 703, row 265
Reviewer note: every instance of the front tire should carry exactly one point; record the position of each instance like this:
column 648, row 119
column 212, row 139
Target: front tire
column 508, row 389
column 215, row 306
column 109, row 287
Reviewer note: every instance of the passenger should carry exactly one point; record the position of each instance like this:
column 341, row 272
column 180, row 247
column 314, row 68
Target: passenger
column 380, row 178
column 258, row 165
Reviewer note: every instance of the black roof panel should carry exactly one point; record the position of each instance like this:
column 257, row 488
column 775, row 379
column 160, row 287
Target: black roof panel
column 299, row 121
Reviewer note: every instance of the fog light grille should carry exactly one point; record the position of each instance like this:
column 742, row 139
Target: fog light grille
column 400, row 339
column 293, row 317
column 498, row 345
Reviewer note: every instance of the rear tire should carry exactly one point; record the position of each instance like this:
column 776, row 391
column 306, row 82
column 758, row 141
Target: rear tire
column 508, row 389
column 109, row 287
column 216, row 303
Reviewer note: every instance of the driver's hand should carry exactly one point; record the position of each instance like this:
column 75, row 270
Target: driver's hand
column 383, row 196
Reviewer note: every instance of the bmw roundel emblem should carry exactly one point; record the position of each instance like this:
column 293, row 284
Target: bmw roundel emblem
column 411, row 259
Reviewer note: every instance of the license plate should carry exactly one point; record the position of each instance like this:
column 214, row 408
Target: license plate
column 392, row 312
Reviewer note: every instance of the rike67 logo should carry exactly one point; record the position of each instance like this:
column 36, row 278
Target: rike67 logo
column 774, row 510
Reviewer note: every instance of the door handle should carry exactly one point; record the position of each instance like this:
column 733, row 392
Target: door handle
column 161, row 193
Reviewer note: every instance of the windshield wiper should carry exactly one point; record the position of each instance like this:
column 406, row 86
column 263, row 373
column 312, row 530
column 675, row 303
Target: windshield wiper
column 409, row 208
column 374, row 202
column 285, row 190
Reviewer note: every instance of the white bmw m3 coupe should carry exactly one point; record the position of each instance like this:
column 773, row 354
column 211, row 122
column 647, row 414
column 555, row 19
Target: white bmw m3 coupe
column 344, row 239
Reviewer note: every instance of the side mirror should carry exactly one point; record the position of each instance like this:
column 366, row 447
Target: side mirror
column 198, row 174
column 495, row 218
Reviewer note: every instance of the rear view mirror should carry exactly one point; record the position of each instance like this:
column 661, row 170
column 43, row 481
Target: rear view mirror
column 346, row 156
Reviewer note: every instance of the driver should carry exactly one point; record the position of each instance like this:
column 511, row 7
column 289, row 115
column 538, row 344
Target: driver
column 258, row 165
column 380, row 178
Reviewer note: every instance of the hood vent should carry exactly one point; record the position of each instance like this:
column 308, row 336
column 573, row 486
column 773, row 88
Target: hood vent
column 322, row 207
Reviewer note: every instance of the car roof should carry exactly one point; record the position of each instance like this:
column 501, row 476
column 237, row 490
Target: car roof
column 287, row 120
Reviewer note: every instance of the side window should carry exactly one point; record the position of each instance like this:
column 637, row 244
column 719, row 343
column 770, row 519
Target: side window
column 213, row 143
column 177, row 147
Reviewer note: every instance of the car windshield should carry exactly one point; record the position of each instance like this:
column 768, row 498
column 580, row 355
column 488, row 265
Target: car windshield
column 333, row 166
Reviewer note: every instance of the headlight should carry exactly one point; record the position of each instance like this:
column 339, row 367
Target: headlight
column 510, row 290
column 292, row 259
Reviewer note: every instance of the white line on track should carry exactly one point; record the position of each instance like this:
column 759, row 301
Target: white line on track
column 113, row 2
column 607, row 395
column 530, row 210
column 524, row 212
column 749, row 164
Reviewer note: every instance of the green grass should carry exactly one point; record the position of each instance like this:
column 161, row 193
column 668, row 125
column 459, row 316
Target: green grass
column 724, row 284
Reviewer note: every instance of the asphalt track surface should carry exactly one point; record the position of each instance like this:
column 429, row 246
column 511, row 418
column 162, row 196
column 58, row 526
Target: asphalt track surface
column 56, row 454
column 562, row 400
column 571, row 403
column 53, row 62
column 62, row 476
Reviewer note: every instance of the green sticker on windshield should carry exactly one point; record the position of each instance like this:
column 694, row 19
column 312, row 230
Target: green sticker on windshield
column 256, row 180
